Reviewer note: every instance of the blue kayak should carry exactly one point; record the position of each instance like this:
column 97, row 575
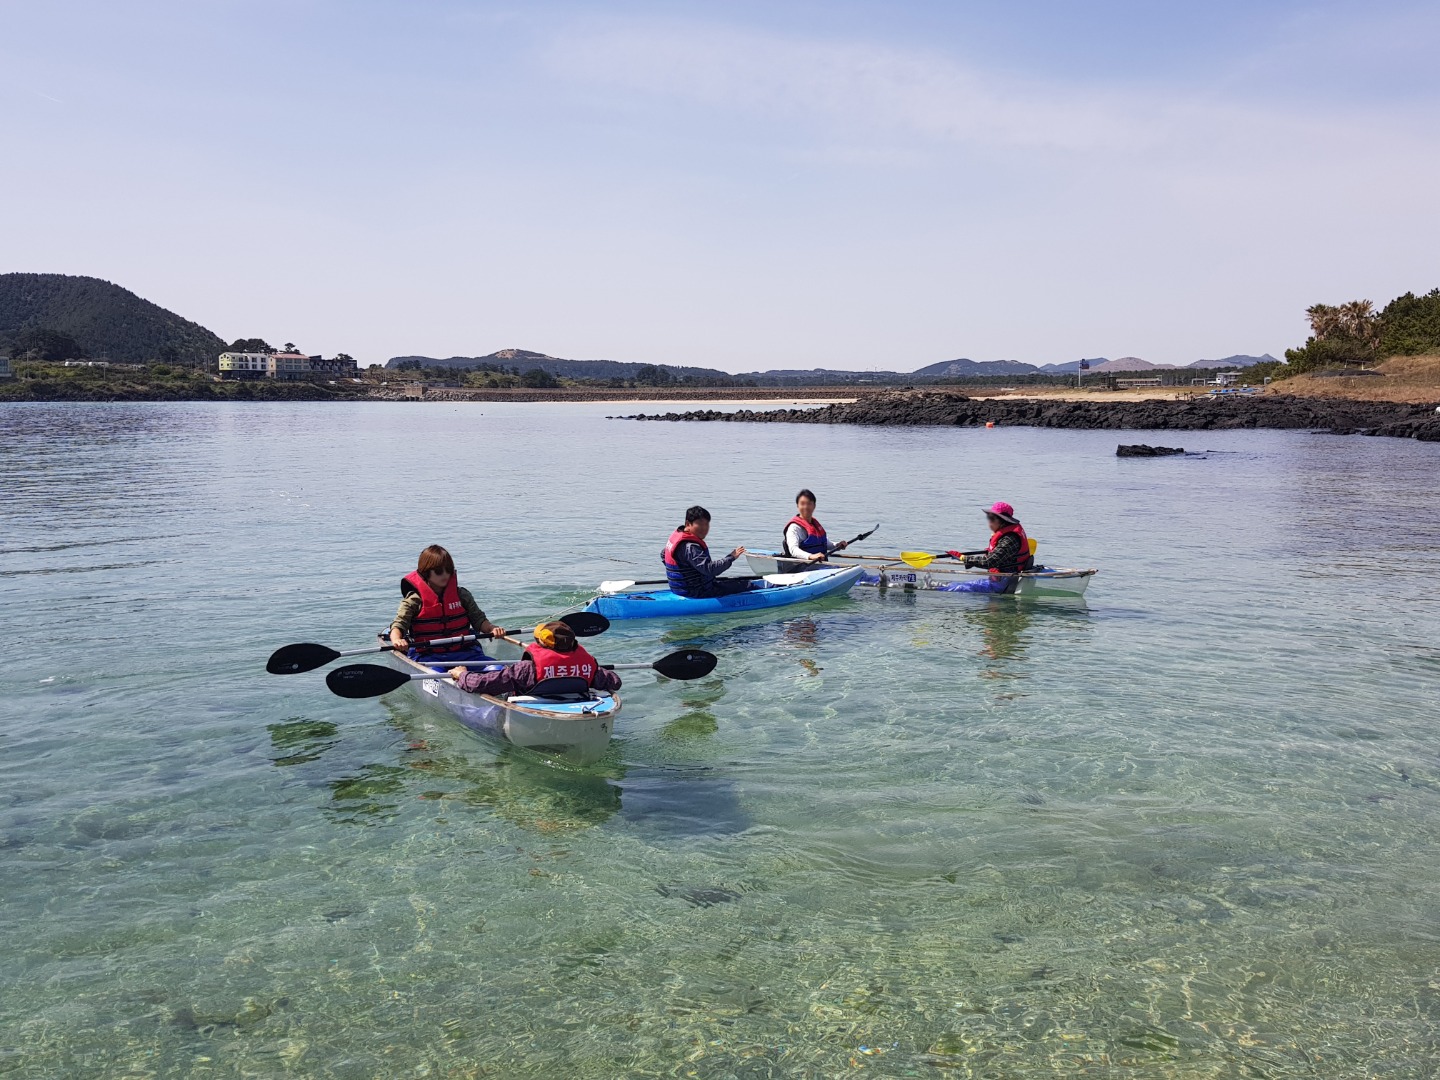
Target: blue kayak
column 779, row 590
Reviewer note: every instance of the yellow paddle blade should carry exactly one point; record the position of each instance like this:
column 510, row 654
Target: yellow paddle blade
column 1033, row 544
column 918, row 559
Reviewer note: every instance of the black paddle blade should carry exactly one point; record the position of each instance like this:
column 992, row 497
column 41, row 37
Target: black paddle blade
column 865, row 535
column 586, row 623
column 686, row 664
column 305, row 656
column 364, row 680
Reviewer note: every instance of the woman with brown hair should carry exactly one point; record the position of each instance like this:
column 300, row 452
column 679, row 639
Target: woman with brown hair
column 434, row 607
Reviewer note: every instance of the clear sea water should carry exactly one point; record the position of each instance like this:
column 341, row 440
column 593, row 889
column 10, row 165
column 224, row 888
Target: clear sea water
column 1186, row 829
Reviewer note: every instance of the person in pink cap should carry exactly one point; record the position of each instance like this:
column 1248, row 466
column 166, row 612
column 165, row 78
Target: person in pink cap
column 1008, row 554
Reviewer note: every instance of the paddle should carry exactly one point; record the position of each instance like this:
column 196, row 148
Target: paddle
column 862, row 536
column 307, row 656
column 774, row 579
column 921, row 559
column 625, row 586
column 372, row 680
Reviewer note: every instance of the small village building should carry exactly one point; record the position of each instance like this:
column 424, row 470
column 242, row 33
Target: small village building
column 334, row 366
column 288, row 366
column 244, row 365
column 5, row 372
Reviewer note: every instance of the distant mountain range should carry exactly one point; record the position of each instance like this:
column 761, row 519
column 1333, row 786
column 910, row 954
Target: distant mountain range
column 1234, row 361
column 103, row 319
column 1100, row 365
column 525, row 360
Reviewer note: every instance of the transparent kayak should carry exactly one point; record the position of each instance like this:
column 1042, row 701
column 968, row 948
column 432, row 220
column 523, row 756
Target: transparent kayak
column 576, row 729
column 885, row 573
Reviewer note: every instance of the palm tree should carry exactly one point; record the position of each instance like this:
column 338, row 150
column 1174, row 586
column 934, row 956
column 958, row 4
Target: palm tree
column 1358, row 319
column 1324, row 320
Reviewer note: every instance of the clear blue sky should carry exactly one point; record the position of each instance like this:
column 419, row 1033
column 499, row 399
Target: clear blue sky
column 738, row 185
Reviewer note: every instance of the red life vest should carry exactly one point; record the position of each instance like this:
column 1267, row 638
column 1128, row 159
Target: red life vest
column 678, row 537
column 550, row 664
column 439, row 617
column 1023, row 560
column 683, row 580
column 815, row 542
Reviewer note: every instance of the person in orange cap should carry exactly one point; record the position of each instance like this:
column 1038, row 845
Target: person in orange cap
column 555, row 655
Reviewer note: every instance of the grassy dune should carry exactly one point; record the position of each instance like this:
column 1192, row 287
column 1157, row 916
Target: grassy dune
column 1413, row 380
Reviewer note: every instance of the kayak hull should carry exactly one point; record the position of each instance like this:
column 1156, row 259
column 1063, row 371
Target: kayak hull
column 664, row 604
column 575, row 732
column 937, row 576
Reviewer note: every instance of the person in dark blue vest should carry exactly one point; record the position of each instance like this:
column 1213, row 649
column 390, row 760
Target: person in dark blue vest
column 688, row 566
column 804, row 536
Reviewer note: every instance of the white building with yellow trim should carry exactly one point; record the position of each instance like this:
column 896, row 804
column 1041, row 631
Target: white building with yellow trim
column 244, row 365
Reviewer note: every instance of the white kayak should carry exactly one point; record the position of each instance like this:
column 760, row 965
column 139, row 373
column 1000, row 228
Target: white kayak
column 891, row 573
column 575, row 729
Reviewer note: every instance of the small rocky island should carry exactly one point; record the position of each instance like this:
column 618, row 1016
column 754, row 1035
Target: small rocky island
column 1142, row 450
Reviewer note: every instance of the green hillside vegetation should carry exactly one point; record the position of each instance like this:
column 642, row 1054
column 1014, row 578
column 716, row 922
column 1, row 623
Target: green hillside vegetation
column 1354, row 333
column 488, row 374
column 38, row 381
column 60, row 317
column 523, row 364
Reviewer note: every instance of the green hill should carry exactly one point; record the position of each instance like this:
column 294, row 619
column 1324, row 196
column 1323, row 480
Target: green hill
column 524, row 359
column 103, row 319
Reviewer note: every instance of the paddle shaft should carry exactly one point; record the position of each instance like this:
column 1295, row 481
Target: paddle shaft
column 836, row 552
column 722, row 577
column 393, row 648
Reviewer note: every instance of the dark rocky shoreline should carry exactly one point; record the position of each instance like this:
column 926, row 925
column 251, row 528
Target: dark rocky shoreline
column 1201, row 413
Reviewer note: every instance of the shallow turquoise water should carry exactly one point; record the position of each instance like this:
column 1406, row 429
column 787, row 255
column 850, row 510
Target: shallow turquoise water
column 1187, row 829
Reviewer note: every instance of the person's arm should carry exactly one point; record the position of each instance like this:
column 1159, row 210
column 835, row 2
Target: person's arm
column 693, row 556
column 478, row 622
column 605, row 679
column 1007, row 552
column 410, row 606
column 794, row 537
column 510, row 679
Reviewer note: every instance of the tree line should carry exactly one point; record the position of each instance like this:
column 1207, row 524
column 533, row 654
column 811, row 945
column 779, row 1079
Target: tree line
column 1354, row 333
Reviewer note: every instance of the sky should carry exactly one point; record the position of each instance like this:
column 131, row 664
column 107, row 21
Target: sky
column 742, row 185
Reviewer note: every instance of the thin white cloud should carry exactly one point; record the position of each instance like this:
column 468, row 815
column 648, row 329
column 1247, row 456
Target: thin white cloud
column 858, row 95
column 853, row 87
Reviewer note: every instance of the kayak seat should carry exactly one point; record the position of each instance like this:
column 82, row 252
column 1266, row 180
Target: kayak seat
column 566, row 687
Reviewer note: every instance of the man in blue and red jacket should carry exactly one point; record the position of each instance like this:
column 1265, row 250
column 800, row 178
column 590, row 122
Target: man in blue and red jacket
column 688, row 566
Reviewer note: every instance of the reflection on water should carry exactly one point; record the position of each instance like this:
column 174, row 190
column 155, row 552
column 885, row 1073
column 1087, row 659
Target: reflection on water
column 302, row 740
column 1002, row 627
column 698, row 720
column 674, row 803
